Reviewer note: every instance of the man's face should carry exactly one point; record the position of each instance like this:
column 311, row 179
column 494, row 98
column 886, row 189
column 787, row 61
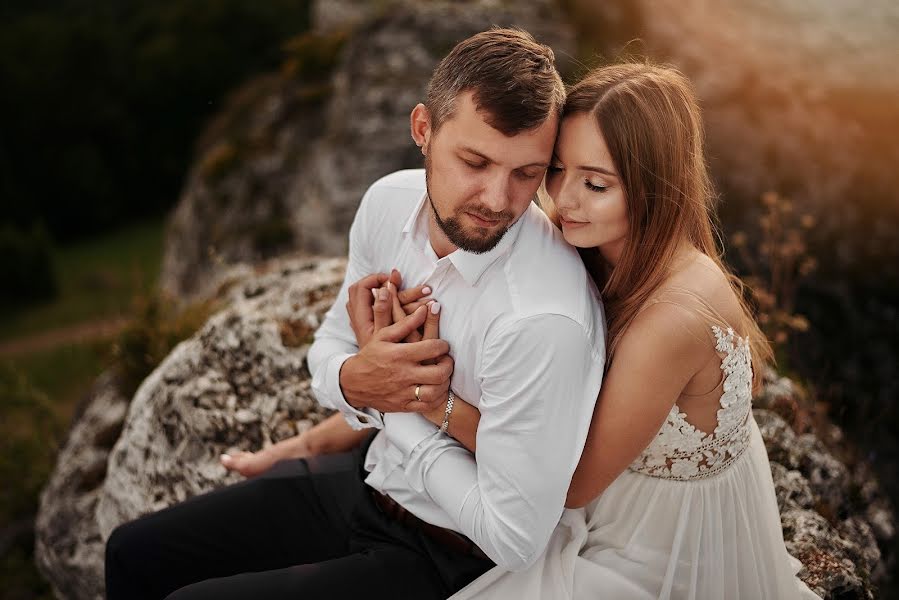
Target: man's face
column 479, row 180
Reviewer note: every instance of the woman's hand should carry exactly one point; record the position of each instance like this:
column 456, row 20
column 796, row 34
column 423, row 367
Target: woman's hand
column 364, row 293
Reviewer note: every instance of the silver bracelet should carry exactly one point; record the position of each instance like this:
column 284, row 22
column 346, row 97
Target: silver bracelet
column 449, row 410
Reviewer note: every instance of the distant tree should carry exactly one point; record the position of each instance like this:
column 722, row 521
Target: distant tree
column 101, row 101
column 26, row 266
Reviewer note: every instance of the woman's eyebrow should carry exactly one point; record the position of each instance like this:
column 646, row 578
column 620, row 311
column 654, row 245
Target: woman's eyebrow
column 597, row 170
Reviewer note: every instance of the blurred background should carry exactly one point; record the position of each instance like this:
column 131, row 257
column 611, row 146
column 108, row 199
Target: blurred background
column 147, row 146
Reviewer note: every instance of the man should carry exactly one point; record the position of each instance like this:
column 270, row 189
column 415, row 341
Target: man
column 411, row 513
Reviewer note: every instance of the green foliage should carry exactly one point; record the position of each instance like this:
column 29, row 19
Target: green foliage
column 219, row 161
column 311, row 56
column 38, row 396
column 601, row 36
column 158, row 326
column 26, row 266
column 29, row 435
column 775, row 265
column 19, row 575
column 96, row 279
column 102, row 100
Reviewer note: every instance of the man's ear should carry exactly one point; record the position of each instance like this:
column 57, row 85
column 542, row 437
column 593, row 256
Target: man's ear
column 420, row 124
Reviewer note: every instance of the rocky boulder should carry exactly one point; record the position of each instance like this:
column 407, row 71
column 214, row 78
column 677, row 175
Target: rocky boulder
column 241, row 383
column 286, row 163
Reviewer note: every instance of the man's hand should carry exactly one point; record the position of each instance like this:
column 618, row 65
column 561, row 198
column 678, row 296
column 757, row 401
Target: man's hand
column 385, row 373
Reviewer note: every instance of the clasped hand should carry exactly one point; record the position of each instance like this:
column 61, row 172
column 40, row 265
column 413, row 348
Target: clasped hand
column 397, row 332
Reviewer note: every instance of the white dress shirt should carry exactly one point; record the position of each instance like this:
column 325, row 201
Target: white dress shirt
column 527, row 332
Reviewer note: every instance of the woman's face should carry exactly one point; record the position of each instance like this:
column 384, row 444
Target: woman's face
column 585, row 188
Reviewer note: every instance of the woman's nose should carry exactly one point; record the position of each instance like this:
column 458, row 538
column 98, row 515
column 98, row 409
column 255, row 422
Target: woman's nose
column 565, row 196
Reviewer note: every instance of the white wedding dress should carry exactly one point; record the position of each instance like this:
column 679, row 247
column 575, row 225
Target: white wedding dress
column 694, row 517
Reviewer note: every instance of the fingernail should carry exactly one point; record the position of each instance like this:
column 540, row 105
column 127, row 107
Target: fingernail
column 374, row 293
column 225, row 458
column 435, row 308
column 426, row 290
column 390, row 286
column 383, row 294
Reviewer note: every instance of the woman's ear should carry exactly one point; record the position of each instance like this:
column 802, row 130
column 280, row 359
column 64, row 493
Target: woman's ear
column 420, row 124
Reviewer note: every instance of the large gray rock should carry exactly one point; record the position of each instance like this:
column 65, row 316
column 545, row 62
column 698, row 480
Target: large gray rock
column 241, row 382
column 290, row 157
column 829, row 523
column 68, row 545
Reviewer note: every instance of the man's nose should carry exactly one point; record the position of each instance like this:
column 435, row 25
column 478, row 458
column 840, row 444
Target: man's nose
column 496, row 193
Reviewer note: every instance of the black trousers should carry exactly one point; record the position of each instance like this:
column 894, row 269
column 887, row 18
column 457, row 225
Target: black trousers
column 305, row 529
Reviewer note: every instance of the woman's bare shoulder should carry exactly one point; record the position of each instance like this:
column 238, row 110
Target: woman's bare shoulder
column 701, row 286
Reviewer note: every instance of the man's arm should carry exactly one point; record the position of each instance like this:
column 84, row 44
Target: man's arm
column 382, row 376
column 335, row 341
column 541, row 377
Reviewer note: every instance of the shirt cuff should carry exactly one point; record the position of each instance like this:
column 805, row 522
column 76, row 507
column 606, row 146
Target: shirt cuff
column 406, row 431
column 356, row 418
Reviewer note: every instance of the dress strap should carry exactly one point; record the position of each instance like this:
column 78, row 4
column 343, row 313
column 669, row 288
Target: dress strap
column 717, row 323
column 704, row 310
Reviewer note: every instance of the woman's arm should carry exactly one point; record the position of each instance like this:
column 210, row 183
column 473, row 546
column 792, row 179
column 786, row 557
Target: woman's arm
column 463, row 422
column 464, row 418
column 333, row 435
column 657, row 356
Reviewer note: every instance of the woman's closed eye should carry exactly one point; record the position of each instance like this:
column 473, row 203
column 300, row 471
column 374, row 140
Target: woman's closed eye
column 595, row 187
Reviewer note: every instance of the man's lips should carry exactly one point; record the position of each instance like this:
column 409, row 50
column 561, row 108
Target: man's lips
column 481, row 221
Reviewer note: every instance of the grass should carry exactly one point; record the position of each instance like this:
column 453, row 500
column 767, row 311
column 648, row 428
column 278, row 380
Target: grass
column 97, row 279
column 40, row 391
column 39, row 394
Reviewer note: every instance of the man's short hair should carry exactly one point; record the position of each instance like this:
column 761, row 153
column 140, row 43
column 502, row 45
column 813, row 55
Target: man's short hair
column 513, row 77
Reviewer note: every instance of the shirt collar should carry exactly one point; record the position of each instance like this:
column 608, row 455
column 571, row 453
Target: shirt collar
column 470, row 265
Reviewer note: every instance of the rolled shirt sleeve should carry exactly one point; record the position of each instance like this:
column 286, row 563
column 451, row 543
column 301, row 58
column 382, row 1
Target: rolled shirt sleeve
column 335, row 340
column 540, row 378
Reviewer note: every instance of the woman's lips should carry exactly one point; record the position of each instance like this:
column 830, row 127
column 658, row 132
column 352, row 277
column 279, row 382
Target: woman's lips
column 567, row 223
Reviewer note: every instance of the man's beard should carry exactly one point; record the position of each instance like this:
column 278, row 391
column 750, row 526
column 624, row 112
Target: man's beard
column 454, row 230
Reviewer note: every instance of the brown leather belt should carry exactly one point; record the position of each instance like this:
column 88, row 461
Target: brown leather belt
column 446, row 537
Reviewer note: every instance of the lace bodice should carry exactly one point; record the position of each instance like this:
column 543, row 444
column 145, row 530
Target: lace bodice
column 679, row 450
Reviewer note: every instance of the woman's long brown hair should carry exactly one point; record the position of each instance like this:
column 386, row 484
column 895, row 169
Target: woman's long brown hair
column 651, row 123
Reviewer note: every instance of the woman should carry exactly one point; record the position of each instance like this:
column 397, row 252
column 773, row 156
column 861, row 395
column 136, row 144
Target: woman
column 673, row 496
column 674, row 475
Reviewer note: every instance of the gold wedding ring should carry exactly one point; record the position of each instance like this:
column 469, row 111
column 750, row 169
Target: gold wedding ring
column 417, row 392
